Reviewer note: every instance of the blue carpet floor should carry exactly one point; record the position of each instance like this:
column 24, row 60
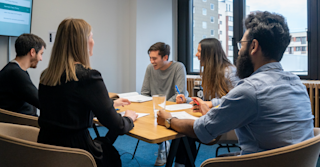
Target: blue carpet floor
column 147, row 153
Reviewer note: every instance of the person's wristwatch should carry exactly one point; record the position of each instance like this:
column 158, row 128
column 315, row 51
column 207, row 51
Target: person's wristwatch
column 167, row 123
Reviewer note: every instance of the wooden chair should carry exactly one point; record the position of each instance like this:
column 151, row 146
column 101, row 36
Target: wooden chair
column 304, row 154
column 17, row 118
column 19, row 147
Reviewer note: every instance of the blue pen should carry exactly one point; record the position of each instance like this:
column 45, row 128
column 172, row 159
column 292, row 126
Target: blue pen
column 117, row 109
column 179, row 92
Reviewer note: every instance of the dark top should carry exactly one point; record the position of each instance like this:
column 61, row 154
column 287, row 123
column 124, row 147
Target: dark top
column 67, row 111
column 17, row 92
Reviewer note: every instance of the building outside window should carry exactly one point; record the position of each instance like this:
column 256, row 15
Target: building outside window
column 303, row 48
column 204, row 11
column 230, row 47
column 230, row 38
column 230, row 18
column 220, row 22
column 303, row 40
column 230, row 28
column 298, row 49
column 204, row 25
column 298, row 39
column 212, row 32
column 212, row 6
column 212, row 19
column 220, row 32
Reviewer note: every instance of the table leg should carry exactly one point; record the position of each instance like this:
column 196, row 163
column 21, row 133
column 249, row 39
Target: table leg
column 96, row 130
column 173, row 151
column 189, row 153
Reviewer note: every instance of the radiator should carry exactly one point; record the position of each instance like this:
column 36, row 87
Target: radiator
column 313, row 88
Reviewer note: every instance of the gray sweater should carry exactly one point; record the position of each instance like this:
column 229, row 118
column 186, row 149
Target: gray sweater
column 163, row 82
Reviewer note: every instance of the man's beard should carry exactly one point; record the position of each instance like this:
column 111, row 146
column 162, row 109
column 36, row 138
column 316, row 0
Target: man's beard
column 244, row 65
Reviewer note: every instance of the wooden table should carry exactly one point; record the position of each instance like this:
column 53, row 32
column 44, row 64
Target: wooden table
column 147, row 129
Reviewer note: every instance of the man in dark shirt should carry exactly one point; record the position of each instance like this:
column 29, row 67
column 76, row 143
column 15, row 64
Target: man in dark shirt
column 17, row 92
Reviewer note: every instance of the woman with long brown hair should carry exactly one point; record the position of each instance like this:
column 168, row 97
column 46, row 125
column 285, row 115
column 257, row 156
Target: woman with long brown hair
column 218, row 78
column 217, row 73
column 70, row 93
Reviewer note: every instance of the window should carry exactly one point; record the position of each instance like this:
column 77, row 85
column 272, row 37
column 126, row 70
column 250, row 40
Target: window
column 230, row 47
column 303, row 40
column 204, row 11
column 212, row 19
column 220, row 32
column 204, row 25
column 230, row 18
column 300, row 23
column 297, row 22
column 212, row 6
column 212, row 32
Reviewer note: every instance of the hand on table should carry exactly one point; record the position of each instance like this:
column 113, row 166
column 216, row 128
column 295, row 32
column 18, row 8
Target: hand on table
column 121, row 102
column 179, row 100
column 162, row 116
column 203, row 107
column 131, row 114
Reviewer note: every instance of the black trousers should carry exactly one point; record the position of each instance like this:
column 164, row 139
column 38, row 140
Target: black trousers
column 181, row 156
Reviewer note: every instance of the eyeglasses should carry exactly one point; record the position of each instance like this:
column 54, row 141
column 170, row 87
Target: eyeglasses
column 239, row 44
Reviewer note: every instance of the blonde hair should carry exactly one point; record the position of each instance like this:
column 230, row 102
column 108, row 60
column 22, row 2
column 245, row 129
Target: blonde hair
column 70, row 46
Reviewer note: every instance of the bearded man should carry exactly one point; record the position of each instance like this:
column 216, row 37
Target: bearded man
column 269, row 108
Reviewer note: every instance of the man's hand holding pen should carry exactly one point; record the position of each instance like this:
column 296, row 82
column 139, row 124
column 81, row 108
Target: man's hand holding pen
column 199, row 106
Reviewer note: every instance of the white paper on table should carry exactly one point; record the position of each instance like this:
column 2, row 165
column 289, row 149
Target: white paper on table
column 135, row 97
column 139, row 114
column 183, row 115
column 178, row 107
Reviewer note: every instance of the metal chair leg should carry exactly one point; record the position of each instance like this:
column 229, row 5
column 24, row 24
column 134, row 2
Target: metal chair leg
column 134, row 153
column 96, row 130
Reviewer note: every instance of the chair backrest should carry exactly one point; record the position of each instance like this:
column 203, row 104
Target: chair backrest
column 18, row 147
column 17, row 118
column 228, row 138
column 304, row 154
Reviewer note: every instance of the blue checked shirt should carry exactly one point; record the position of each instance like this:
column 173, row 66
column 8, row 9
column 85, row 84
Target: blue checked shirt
column 269, row 109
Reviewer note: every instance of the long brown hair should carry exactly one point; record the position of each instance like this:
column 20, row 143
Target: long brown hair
column 214, row 62
column 70, row 46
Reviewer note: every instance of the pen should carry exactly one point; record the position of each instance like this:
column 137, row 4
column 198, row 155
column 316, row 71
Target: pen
column 196, row 101
column 179, row 92
column 117, row 109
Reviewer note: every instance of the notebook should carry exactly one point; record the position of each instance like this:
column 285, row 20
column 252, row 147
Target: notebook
column 132, row 97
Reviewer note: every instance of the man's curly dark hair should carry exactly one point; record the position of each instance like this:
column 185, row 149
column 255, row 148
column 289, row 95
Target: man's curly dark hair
column 271, row 31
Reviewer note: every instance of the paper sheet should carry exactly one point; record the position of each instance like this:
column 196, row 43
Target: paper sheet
column 139, row 114
column 178, row 107
column 183, row 115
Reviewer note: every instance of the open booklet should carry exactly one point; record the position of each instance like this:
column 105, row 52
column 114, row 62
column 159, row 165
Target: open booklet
column 132, row 97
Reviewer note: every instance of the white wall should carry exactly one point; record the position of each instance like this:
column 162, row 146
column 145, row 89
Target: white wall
column 154, row 24
column 123, row 31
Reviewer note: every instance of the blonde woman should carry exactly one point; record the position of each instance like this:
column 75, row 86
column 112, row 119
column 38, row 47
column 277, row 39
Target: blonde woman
column 70, row 93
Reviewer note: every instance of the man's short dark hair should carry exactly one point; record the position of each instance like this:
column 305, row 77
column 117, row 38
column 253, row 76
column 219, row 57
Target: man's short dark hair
column 164, row 49
column 271, row 31
column 26, row 42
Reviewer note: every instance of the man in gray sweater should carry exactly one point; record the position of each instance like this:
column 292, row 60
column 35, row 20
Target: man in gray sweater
column 161, row 78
